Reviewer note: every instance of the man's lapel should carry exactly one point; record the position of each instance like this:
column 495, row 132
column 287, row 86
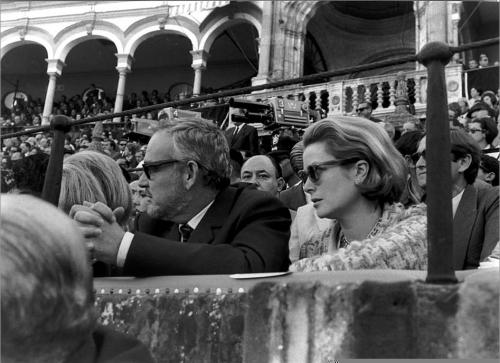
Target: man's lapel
column 238, row 135
column 462, row 225
column 214, row 218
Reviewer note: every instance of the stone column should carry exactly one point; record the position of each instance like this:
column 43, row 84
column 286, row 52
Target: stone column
column 124, row 63
column 199, row 65
column 437, row 20
column 265, row 45
column 431, row 23
column 54, row 70
column 454, row 8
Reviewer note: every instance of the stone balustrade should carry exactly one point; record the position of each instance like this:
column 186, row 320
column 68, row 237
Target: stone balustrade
column 343, row 96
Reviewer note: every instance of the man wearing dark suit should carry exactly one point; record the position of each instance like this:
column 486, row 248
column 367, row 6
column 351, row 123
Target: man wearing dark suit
column 475, row 225
column 243, row 137
column 196, row 223
column 475, row 206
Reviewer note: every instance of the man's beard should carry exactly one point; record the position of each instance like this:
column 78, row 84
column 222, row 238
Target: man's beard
column 155, row 211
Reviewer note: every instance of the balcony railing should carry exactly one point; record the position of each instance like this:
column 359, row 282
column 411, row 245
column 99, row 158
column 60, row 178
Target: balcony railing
column 343, row 97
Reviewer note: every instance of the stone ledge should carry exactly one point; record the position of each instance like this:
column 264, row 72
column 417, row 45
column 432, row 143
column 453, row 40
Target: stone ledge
column 306, row 317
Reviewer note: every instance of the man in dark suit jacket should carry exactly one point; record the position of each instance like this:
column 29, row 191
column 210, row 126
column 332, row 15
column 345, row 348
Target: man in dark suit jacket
column 475, row 225
column 234, row 229
column 243, row 137
column 475, row 207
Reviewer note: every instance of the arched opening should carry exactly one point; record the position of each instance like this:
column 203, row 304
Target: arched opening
column 24, row 69
column 479, row 21
column 233, row 59
column 161, row 62
column 341, row 34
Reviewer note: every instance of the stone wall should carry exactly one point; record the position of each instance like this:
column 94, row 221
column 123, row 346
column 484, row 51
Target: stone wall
column 306, row 317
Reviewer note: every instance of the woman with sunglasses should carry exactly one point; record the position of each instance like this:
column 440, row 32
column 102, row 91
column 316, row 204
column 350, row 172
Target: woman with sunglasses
column 355, row 177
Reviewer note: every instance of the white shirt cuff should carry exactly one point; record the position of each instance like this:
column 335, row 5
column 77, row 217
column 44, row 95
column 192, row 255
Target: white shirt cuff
column 123, row 249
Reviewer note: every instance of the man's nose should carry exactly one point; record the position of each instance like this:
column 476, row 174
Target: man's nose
column 143, row 181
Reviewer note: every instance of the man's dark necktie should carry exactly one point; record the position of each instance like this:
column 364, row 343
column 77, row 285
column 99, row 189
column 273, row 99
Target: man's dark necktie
column 185, row 232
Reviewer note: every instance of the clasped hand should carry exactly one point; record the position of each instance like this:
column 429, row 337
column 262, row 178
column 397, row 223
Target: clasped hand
column 98, row 224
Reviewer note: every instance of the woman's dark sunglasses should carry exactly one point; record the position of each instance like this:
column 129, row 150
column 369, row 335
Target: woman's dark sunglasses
column 313, row 171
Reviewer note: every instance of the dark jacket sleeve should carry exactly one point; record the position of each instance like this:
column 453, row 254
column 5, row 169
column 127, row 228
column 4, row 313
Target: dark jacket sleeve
column 491, row 222
column 252, row 236
column 254, row 142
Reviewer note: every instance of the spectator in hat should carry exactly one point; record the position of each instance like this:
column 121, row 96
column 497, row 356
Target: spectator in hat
column 365, row 110
column 479, row 110
column 491, row 100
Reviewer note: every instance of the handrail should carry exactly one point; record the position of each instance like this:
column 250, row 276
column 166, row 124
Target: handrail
column 250, row 89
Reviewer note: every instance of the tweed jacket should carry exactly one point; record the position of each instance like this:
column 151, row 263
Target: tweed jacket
column 397, row 241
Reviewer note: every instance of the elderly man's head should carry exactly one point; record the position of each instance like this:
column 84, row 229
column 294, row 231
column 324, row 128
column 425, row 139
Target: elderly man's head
column 186, row 164
column 46, row 282
column 264, row 172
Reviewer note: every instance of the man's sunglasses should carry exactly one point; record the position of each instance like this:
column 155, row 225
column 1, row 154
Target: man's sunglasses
column 414, row 157
column 473, row 131
column 148, row 167
column 313, row 171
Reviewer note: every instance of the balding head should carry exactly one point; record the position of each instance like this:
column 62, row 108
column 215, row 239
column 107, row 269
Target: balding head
column 262, row 171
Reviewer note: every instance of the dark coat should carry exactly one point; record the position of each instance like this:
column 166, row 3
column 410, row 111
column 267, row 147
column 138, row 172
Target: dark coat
column 293, row 197
column 246, row 139
column 475, row 226
column 243, row 231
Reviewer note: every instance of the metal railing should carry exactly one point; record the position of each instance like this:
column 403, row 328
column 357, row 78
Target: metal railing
column 434, row 56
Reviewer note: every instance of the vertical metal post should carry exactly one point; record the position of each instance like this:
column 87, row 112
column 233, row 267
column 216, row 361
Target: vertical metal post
column 435, row 56
column 52, row 183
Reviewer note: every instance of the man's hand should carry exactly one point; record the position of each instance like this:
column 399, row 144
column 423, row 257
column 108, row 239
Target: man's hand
column 100, row 229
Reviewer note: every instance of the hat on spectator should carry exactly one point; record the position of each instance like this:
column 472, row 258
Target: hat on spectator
column 480, row 106
column 296, row 158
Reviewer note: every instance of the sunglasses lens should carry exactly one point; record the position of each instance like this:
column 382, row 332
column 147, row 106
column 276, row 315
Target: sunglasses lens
column 311, row 173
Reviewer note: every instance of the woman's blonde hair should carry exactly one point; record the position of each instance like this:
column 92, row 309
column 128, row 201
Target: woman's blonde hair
column 94, row 177
column 356, row 138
